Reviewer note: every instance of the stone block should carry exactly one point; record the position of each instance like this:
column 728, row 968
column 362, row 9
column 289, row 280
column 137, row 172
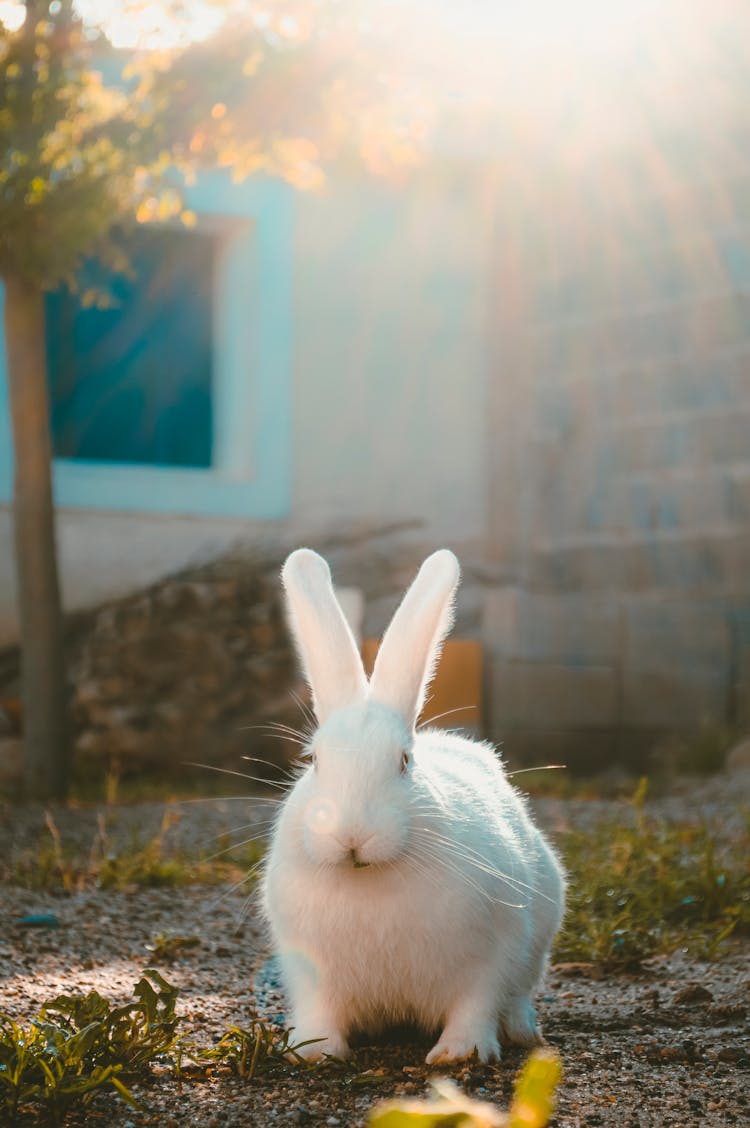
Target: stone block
column 674, row 702
column 599, row 343
column 679, row 638
column 661, row 500
column 501, row 621
column 738, row 488
column 545, row 695
column 674, row 383
column 536, row 626
column 722, row 437
column 662, row 561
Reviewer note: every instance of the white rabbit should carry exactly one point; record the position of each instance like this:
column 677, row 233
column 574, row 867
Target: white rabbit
column 405, row 880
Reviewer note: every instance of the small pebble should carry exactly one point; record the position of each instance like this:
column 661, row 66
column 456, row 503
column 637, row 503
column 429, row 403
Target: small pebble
column 40, row 920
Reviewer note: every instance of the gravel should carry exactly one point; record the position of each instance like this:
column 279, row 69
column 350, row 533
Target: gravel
column 667, row 1046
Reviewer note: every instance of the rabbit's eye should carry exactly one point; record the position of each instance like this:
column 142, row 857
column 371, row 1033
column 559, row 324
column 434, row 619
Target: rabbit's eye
column 404, row 762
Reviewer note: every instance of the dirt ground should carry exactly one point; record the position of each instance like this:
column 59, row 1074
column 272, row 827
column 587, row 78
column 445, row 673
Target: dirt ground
column 667, row 1046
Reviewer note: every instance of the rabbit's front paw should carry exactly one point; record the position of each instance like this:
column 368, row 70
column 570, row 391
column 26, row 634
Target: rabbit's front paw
column 519, row 1024
column 458, row 1045
column 319, row 1046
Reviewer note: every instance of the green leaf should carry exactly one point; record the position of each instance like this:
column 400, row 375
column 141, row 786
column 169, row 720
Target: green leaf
column 125, row 1093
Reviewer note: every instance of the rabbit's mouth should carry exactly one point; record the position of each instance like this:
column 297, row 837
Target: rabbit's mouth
column 360, row 865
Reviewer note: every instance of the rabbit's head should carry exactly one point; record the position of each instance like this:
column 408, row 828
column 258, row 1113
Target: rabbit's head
column 358, row 790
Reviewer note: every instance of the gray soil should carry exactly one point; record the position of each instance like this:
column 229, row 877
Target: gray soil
column 667, row 1046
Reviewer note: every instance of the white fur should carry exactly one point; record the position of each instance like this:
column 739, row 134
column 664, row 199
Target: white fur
column 324, row 639
column 425, row 894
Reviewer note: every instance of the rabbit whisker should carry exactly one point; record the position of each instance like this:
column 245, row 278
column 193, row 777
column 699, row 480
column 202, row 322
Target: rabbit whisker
column 223, row 799
column 449, row 864
column 258, row 824
column 244, row 912
column 281, row 736
column 465, row 853
column 276, row 726
column 242, row 775
column 237, row 884
column 540, row 768
column 447, row 713
column 268, row 799
column 285, row 772
column 234, row 846
column 471, row 856
column 307, row 712
column 277, row 730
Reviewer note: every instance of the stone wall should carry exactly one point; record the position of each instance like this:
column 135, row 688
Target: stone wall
column 199, row 668
column 629, row 617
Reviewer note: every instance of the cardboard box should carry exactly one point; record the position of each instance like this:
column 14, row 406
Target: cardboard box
column 455, row 695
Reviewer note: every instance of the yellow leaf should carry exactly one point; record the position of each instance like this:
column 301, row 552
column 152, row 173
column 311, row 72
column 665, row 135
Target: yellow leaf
column 146, row 210
column 189, row 218
column 534, row 1097
column 251, row 63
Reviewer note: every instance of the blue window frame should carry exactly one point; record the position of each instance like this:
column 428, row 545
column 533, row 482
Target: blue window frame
column 240, row 465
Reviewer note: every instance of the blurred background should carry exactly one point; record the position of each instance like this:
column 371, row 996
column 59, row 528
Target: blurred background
column 416, row 274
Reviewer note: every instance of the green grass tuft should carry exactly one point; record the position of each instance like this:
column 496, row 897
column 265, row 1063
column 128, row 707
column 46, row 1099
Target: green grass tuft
column 153, row 864
column 648, row 886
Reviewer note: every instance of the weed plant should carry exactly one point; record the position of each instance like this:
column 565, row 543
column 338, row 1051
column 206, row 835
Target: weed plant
column 81, row 1045
column 647, row 886
column 156, row 863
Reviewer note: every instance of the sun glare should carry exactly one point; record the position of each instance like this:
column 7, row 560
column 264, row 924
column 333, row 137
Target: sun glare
column 602, row 65
column 136, row 25
column 563, row 27
column 527, row 28
column 151, row 25
column 11, row 14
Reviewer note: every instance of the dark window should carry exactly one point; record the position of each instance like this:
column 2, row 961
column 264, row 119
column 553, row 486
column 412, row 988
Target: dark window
column 133, row 383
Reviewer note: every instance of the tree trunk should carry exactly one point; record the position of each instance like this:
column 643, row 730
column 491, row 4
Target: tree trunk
column 43, row 689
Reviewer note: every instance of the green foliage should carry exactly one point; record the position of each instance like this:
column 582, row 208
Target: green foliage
column 167, row 947
column 532, row 1106
column 69, row 149
column 248, row 1052
column 80, row 1045
column 646, row 886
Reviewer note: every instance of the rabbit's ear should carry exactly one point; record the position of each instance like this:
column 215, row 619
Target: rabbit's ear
column 411, row 645
column 326, row 646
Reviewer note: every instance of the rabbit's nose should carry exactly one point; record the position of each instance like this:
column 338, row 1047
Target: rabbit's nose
column 356, row 844
column 356, row 859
